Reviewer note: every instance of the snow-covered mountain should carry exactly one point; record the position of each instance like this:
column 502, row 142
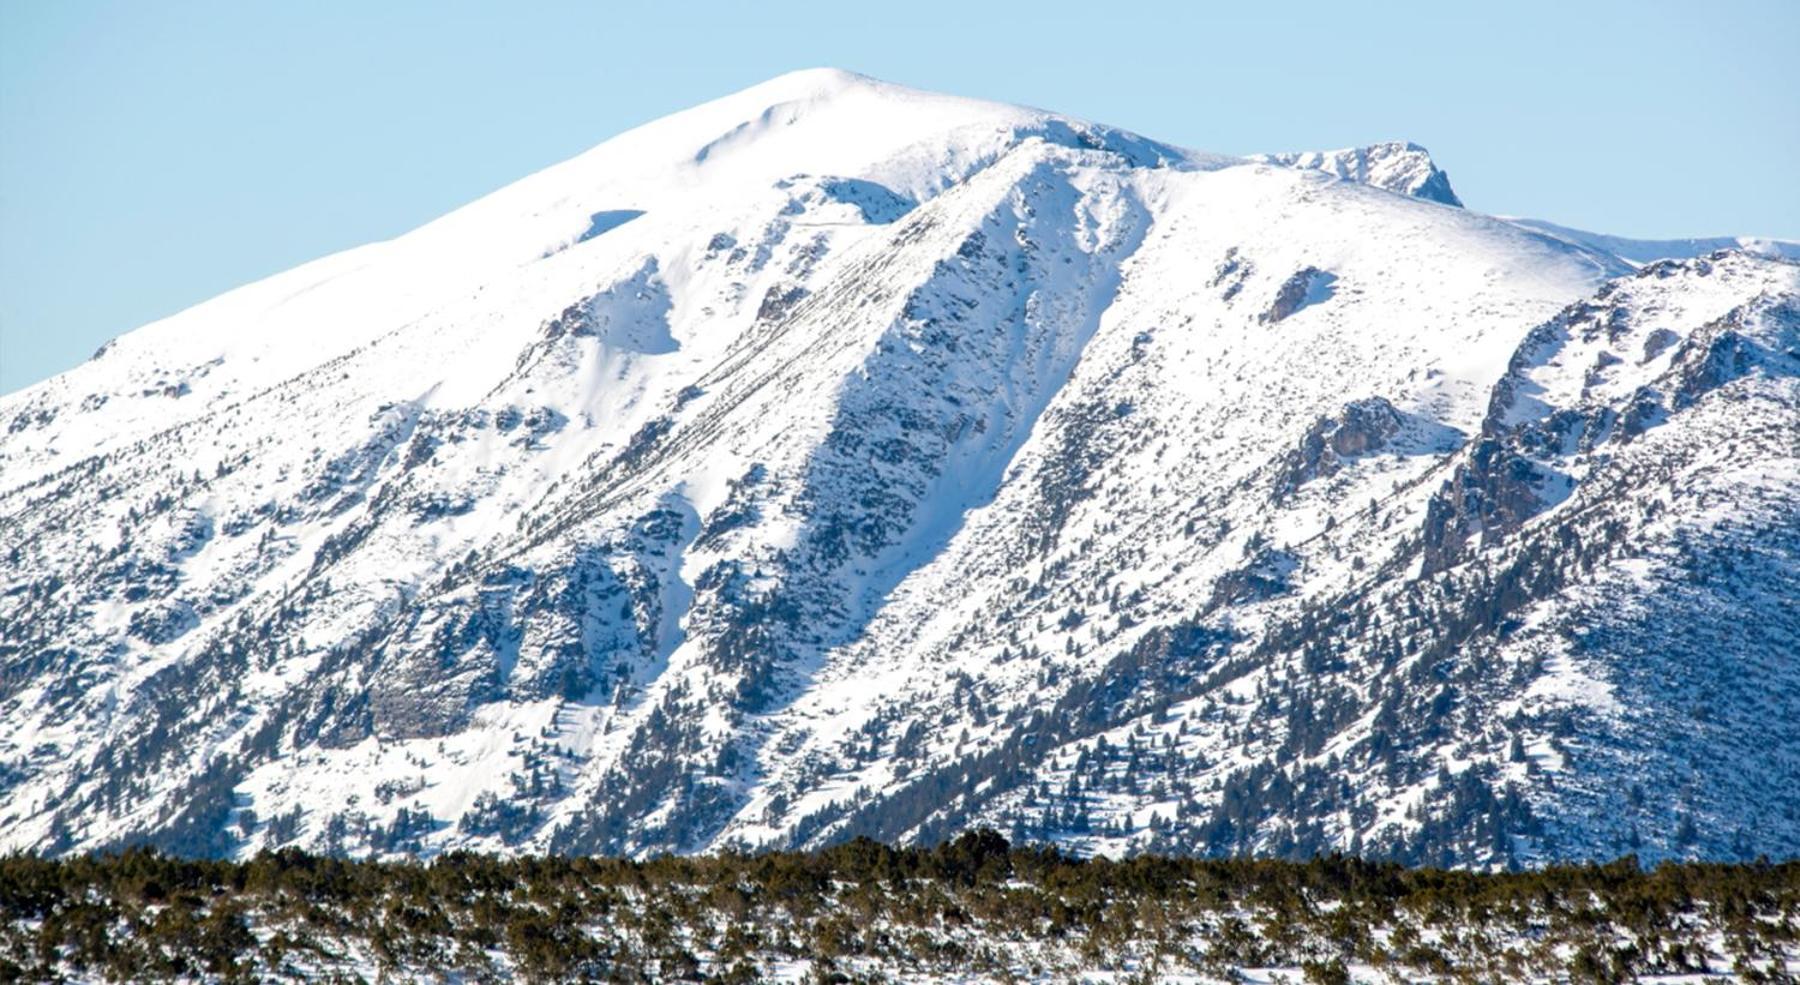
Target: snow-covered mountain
column 836, row 458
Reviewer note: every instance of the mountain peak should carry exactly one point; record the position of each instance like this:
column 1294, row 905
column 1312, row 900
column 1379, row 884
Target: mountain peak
column 815, row 82
column 1399, row 166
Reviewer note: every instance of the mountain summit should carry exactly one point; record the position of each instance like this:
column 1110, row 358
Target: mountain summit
column 1405, row 168
column 836, row 458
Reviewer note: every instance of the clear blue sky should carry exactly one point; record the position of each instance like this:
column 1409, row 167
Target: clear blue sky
column 155, row 154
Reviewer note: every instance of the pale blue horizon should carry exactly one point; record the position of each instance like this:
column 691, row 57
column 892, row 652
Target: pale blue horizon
column 153, row 156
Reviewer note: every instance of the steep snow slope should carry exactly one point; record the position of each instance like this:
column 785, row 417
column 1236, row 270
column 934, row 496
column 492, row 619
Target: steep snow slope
column 836, row 458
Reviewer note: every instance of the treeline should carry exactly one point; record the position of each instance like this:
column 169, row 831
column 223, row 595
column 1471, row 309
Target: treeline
column 863, row 911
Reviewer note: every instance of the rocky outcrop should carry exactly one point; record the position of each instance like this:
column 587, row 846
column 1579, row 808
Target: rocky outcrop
column 1490, row 494
column 1400, row 167
column 1307, row 286
column 1361, row 428
column 1268, row 572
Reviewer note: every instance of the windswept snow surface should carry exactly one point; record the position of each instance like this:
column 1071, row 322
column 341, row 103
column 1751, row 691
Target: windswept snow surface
column 836, row 458
column 1641, row 251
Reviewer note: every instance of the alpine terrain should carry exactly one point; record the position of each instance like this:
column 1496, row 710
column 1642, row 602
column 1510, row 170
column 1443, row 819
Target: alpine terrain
column 839, row 459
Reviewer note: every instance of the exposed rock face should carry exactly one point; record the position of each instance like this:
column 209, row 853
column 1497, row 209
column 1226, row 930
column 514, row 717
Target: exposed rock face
column 1492, row 492
column 1361, row 428
column 1308, row 285
column 1710, row 358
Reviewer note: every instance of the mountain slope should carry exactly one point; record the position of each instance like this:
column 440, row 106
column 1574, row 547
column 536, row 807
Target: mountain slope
column 836, row 458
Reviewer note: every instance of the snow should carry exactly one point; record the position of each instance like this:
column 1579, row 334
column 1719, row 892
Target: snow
column 1643, row 251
